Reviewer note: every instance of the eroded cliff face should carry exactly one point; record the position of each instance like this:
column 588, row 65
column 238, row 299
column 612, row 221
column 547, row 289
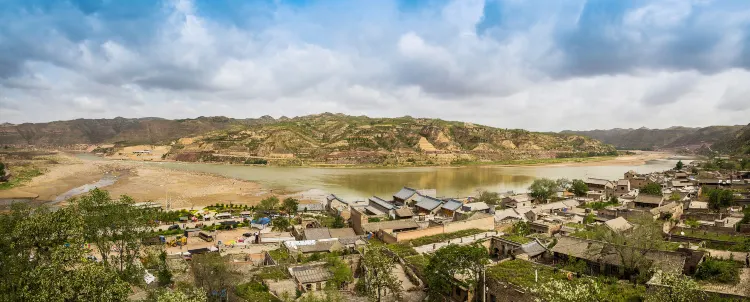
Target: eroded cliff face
column 341, row 139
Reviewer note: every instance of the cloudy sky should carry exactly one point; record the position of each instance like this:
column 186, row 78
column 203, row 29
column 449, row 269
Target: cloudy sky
column 540, row 65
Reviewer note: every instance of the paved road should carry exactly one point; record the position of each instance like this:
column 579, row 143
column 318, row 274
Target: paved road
column 429, row 248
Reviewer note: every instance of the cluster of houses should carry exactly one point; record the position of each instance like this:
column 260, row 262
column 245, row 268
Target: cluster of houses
column 415, row 213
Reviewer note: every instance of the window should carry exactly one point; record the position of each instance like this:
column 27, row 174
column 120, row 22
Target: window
column 493, row 298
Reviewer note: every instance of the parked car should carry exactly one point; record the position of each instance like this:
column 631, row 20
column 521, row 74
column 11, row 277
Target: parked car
column 174, row 227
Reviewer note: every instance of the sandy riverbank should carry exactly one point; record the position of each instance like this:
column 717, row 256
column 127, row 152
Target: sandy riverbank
column 639, row 158
column 183, row 189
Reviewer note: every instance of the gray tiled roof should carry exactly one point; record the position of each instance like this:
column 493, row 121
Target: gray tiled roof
column 404, row 212
column 317, row 233
column 533, row 248
column 379, row 201
column 310, row 273
column 452, row 205
column 342, row 233
column 374, row 210
column 646, row 198
column 428, row 203
column 405, row 193
column 309, row 207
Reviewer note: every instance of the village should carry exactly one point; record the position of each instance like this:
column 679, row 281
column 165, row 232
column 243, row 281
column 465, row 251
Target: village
column 645, row 230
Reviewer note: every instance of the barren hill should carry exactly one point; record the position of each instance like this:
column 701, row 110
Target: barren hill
column 674, row 138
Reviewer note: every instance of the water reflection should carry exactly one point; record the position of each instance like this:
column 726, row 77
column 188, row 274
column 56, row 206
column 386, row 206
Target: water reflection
column 359, row 183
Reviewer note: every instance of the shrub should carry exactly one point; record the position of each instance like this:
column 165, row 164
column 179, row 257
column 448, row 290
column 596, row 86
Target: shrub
column 716, row 270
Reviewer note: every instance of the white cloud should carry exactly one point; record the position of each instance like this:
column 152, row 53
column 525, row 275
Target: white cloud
column 386, row 63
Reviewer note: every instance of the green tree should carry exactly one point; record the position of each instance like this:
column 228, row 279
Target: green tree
column 651, row 188
column 521, row 228
column 675, row 197
column 42, row 258
column 633, row 245
column 679, row 165
column 492, row 198
column 2, row 169
column 341, row 273
column 589, row 219
column 268, row 204
column 719, row 198
column 338, row 222
column 543, row 188
column 281, row 224
column 378, row 274
column 179, row 295
column 290, row 205
column 115, row 224
column 163, row 274
column 453, row 260
column 675, row 288
column 578, row 188
column 213, row 275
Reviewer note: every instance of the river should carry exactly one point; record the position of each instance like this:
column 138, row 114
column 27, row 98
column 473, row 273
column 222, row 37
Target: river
column 384, row 182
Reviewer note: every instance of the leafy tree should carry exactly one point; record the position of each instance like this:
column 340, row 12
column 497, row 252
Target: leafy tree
column 633, row 245
column 453, row 260
column 290, row 205
column 543, row 188
column 115, row 224
column 556, row 290
column 2, row 169
column 492, row 198
column 268, row 204
column 281, row 224
column 579, row 188
column 378, row 275
column 180, row 295
column 213, row 275
column 163, row 274
column 675, row 197
column 692, row 223
column 679, row 165
column 338, row 222
column 341, row 273
column 521, row 228
column 676, row 288
column 651, row 189
column 589, row 219
column 719, row 198
column 42, row 258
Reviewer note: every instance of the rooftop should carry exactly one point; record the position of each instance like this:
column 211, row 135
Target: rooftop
column 405, row 193
column 476, row 206
column 597, row 251
column 390, row 225
column 452, row 205
column 310, row 273
column 618, row 224
column 646, row 198
column 598, row 181
column 404, row 212
column 379, row 201
column 317, row 233
column 428, row 203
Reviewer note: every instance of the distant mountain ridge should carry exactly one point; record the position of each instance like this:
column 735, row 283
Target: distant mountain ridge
column 672, row 138
column 322, row 138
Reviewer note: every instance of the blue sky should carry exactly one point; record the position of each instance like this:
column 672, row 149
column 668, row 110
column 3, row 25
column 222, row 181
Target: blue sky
column 539, row 64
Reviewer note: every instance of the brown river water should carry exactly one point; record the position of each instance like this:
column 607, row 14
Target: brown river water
column 384, row 182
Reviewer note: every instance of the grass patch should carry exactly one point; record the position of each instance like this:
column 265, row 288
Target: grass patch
column 281, row 256
column 272, row 272
column 254, row 292
column 599, row 205
column 444, row 237
column 401, row 249
column 713, row 236
column 516, row 238
column 718, row 271
column 20, row 176
column 521, row 273
column 574, row 225
column 419, row 262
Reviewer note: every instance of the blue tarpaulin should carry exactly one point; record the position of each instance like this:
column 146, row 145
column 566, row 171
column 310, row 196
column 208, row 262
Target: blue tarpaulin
column 264, row 220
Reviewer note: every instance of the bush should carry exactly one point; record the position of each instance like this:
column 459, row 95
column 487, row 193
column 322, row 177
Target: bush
column 254, row 291
column 716, row 270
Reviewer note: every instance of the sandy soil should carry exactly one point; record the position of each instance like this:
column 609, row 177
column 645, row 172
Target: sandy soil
column 640, row 158
column 183, row 189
